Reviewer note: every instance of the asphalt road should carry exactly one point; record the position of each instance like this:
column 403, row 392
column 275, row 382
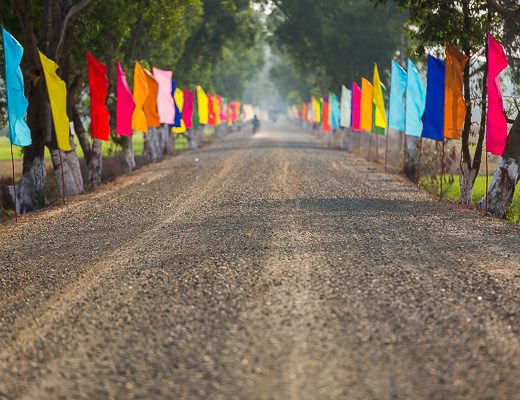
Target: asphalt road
column 265, row 267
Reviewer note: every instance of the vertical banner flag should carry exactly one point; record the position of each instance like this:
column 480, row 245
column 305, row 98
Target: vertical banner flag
column 57, row 91
column 335, row 112
column 367, row 93
column 19, row 132
column 125, row 104
column 164, row 97
column 317, row 110
column 178, row 97
column 415, row 101
column 345, row 107
column 325, row 114
column 202, row 105
column 434, row 111
column 378, row 129
column 211, row 111
column 216, row 108
column 178, row 115
column 305, row 111
column 223, row 108
column 397, row 110
column 98, row 85
column 356, row 107
column 140, row 94
column 151, row 110
column 454, row 105
column 496, row 126
column 187, row 112
column 379, row 101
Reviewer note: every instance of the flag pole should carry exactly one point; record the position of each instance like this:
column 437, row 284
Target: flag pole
column 369, row 145
column 442, row 170
column 62, row 177
column 487, row 181
column 14, row 186
column 419, row 163
column 377, row 147
column 386, row 148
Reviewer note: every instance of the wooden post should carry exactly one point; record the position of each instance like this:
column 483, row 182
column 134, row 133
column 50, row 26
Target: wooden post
column 442, row 170
column 14, row 186
column 487, row 181
column 419, row 163
column 377, row 147
column 369, row 145
column 386, row 148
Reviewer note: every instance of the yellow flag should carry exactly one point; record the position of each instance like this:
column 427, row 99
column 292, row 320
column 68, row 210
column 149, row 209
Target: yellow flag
column 58, row 98
column 367, row 92
column 178, row 96
column 203, row 106
column 379, row 102
column 140, row 95
column 317, row 108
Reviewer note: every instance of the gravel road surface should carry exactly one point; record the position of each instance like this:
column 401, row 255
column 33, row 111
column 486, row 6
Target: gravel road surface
column 265, row 267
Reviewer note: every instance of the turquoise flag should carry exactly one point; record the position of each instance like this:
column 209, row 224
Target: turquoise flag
column 334, row 112
column 19, row 132
column 397, row 111
column 415, row 101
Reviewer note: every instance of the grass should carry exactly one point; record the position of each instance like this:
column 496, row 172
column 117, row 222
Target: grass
column 451, row 191
column 109, row 148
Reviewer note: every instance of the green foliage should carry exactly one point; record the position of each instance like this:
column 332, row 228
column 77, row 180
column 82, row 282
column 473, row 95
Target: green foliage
column 333, row 44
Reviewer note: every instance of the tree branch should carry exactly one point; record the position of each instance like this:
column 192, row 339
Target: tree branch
column 505, row 12
column 73, row 11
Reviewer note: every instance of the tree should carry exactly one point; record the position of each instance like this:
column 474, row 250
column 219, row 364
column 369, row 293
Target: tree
column 500, row 192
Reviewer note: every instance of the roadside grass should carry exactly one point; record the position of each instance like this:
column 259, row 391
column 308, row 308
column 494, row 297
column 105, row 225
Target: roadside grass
column 451, row 192
column 109, row 148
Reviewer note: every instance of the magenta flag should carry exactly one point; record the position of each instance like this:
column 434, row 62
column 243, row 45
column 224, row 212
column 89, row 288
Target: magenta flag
column 124, row 104
column 165, row 103
column 496, row 125
column 356, row 106
column 187, row 112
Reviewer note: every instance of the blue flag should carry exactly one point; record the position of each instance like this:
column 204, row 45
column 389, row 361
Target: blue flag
column 397, row 111
column 415, row 101
column 434, row 112
column 19, row 132
column 334, row 112
column 178, row 115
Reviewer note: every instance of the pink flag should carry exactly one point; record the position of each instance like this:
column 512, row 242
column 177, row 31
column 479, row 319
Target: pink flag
column 187, row 112
column 124, row 104
column 356, row 106
column 164, row 97
column 496, row 126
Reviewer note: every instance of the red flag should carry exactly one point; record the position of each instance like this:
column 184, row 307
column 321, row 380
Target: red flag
column 496, row 126
column 187, row 113
column 98, row 84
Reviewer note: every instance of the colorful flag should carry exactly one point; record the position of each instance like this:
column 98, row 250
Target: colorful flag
column 305, row 112
column 223, row 108
column 356, row 107
column 397, row 110
column 187, row 112
column 19, row 132
column 496, row 126
column 151, row 110
column 178, row 97
column 98, row 84
column 415, row 101
column 367, row 93
column 140, row 95
column 434, row 110
column 379, row 101
column 334, row 112
column 454, row 105
column 317, row 111
column 325, row 114
column 125, row 104
column 203, row 106
column 217, row 102
column 346, row 107
column 378, row 129
column 164, row 98
column 57, row 91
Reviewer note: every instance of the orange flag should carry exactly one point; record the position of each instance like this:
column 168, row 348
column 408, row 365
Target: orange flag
column 454, row 106
column 151, row 111
column 140, row 95
column 367, row 94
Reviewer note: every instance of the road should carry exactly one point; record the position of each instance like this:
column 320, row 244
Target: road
column 265, row 267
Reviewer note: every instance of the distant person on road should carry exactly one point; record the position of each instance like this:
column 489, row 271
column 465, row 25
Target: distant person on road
column 256, row 124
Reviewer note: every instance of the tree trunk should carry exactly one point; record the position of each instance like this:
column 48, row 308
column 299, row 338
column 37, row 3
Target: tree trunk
column 71, row 174
column 411, row 158
column 152, row 144
column 502, row 188
column 95, row 166
column 128, row 151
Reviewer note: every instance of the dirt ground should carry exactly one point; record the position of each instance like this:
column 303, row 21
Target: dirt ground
column 262, row 267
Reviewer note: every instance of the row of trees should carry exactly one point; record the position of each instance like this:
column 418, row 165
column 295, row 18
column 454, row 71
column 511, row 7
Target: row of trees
column 345, row 38
column 202, row 41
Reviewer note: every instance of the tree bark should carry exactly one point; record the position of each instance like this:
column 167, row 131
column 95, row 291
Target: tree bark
column 503, row 184
column 128, row 152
